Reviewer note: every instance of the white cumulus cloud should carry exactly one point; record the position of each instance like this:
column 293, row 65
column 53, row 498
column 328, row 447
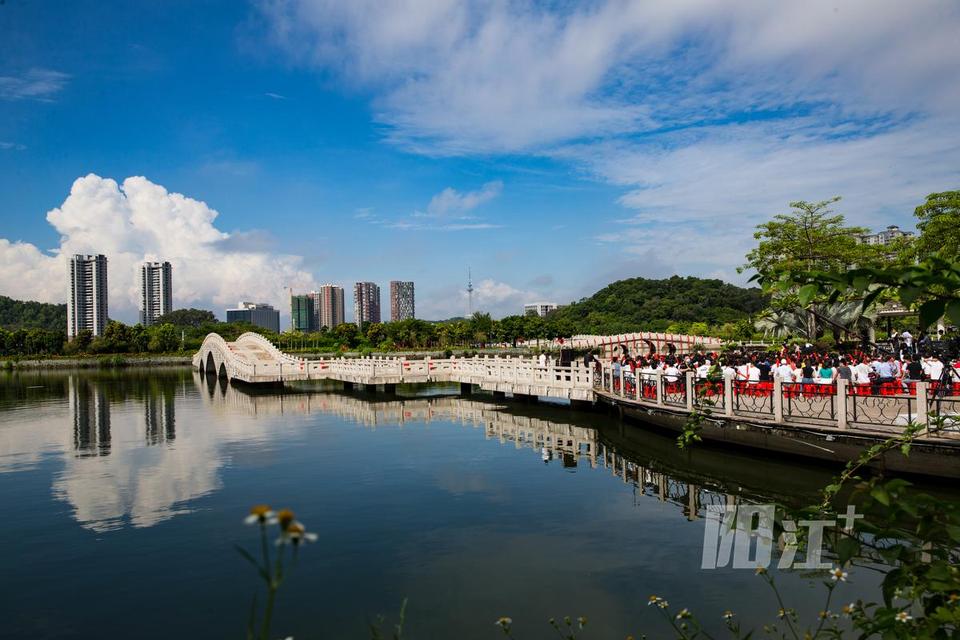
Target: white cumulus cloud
column 139, row 220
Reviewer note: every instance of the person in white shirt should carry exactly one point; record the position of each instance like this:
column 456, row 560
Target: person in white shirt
column 907, row 338
column 672, row 373
column 785, row 371
column 703, row 370
column 743, row 371
column 933, row 368
column 753, row 373
column 542, row 360
column 861, row 373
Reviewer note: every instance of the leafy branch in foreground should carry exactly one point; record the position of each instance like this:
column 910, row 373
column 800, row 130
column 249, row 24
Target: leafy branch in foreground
column 931, row 286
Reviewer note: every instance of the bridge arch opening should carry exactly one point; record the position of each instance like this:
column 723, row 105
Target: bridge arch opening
column 223, row 370
column 211, row 366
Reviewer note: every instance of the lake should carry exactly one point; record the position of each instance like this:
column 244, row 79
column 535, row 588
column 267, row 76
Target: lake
column 126, row 491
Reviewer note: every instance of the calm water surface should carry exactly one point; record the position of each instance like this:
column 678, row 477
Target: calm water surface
column 124, row 494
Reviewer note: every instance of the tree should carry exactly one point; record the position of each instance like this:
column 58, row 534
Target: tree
column 808, row 238
column 376, row 332
column 81, row 341
column 939, row 225
column 163, row 338
column 187, row 318
column 481, row 327
column 346, row 334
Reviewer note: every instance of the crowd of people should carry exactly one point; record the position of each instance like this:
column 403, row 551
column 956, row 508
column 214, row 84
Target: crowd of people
column 892, row 371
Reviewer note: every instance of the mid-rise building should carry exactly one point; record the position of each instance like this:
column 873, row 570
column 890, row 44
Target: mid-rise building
column 156, row 291
column 302, row 313
column 539, row 309
column 328, row 306
column 366, row 302
column 259, row 314
column 401, row 301
column 888, row 235
column 87, row 300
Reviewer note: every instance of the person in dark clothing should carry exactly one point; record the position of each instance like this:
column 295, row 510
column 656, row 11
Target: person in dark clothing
column 764, row 366
column 915, row 370
column 844, row 372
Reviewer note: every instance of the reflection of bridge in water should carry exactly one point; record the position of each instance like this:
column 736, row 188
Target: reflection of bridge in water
column 569, row 444
column 560, row 439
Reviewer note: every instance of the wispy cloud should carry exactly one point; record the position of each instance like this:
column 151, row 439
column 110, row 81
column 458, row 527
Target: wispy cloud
column 709, row 117
column 12, row 146
column 449, row 210
column 457, row 203
column 413, row 225
column 35, row 84
column 275, row 96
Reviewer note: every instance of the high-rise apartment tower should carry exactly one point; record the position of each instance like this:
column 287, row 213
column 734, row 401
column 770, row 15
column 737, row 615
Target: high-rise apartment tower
column 328, row 306
column 302, row 313
column 87, row 299
column 401, row 301
column 366, row 302
column 156, row 291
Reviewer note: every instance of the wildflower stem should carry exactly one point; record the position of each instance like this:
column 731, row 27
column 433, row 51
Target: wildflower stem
column 264, row 548
column 826, row 609
column 275, row 580
column 786, row 617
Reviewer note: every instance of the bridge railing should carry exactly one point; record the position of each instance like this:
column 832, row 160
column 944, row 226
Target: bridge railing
column 245, row 364
column 837, row 405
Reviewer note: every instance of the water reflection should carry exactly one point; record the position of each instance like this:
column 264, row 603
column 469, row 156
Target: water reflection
column 146, row 446
column 90, row 412
column 652, row 464
column 161, row 421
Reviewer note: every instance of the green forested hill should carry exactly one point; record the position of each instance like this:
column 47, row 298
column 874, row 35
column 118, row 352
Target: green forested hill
column 658, row 305
column 17, row 314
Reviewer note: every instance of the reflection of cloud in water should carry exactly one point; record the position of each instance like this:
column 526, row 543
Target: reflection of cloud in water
column 142, row 458
column 459, row 482
column 139, row 484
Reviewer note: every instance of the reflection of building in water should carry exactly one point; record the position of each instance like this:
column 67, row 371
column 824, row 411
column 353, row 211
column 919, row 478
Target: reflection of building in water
column 160, row 418
column 91, row 418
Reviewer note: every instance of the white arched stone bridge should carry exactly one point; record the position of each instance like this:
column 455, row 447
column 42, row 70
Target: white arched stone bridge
column 255, row 360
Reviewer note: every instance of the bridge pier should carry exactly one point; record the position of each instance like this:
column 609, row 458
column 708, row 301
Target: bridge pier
column 466, row 389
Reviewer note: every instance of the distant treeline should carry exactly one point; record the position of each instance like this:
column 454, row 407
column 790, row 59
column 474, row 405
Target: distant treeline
column 674, row 305
column 17, row 314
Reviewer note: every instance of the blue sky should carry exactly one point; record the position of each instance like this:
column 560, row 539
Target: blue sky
column 550, row 147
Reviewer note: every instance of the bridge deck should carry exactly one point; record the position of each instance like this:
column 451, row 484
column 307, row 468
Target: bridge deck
column 254, row 360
